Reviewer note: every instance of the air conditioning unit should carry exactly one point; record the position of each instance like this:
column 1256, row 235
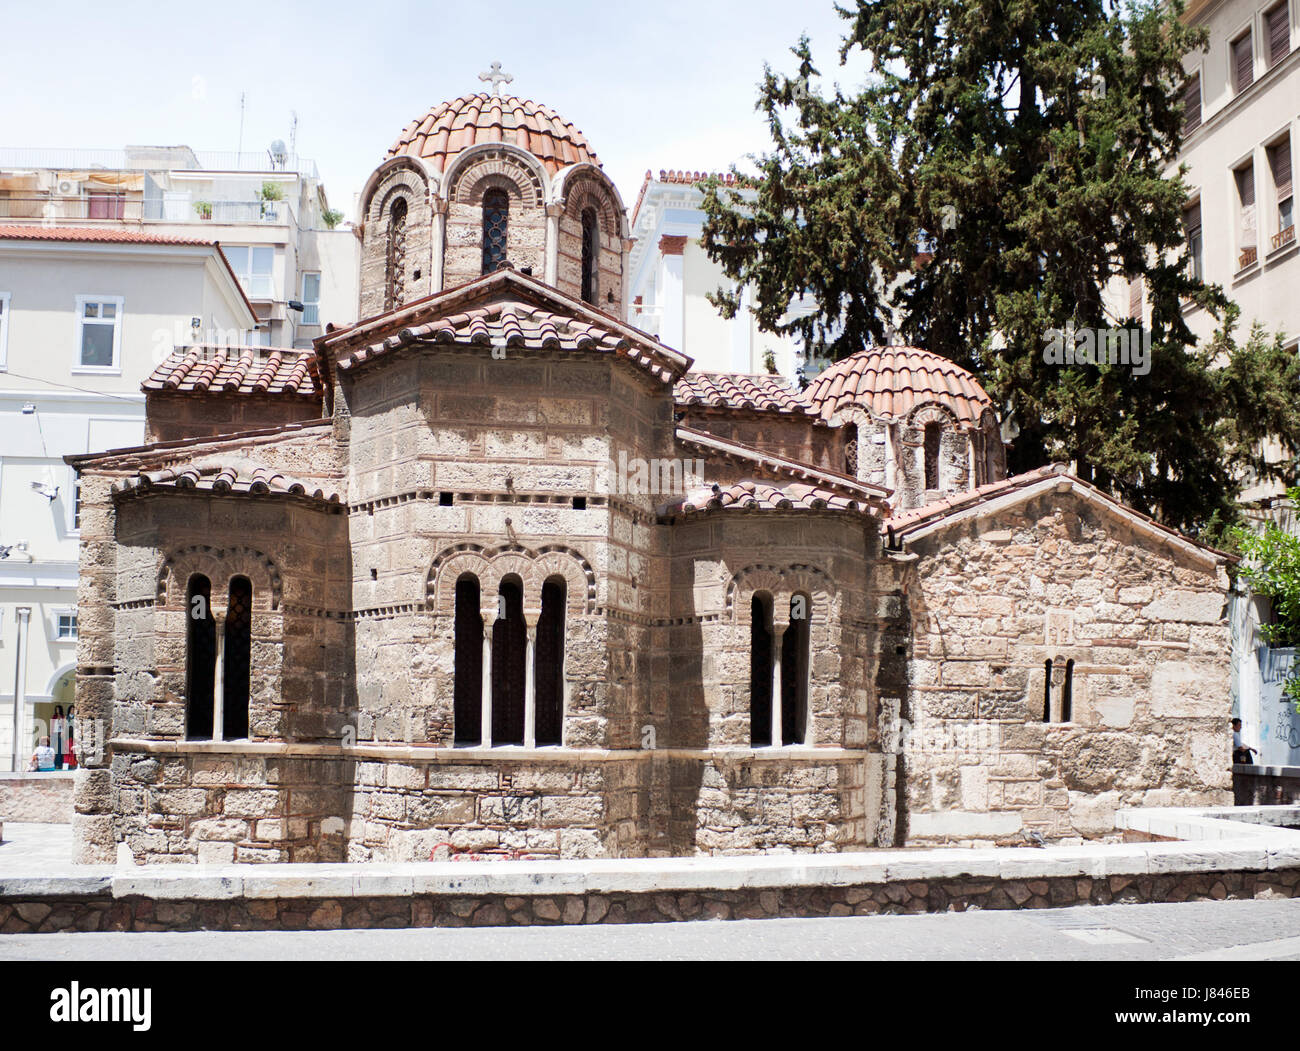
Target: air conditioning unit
column 68, row 188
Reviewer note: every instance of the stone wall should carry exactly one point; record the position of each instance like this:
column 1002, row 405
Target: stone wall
column 174, row 416
column 44, row 798
column 990, row 601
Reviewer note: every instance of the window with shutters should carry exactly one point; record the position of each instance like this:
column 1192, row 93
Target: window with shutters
column 1195, row 247
column 1192, row 105
column 1277, row 33
column 1247, row 244
column 1243, row 63
column 1279, row 163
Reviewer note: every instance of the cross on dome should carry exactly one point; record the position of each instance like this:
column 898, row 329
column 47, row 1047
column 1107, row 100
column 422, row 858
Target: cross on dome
column 496, row 77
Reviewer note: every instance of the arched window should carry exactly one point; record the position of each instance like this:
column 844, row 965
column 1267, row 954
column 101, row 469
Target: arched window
column 238, row 646
column 548, row 675
column 496, row 222
column 933, row 438
column 509, row 664
column 1067, row 693
column 794, row 672
column 851, row 449
column 200, row 658
column 760, row 670
column 468, row 687
column 590, row 254
column 395, row 255
column 1047, row 692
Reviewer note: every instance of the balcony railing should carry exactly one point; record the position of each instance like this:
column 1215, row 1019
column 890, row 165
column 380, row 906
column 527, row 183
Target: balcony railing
column 1283, row 237
column 149, row 158
column 1247, row 257
column 54, row 209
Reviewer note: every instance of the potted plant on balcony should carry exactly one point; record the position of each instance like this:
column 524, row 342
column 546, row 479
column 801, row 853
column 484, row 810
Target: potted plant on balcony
column 272, row 193
column 204, row 209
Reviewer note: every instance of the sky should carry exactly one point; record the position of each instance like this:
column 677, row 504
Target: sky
column 664, row 84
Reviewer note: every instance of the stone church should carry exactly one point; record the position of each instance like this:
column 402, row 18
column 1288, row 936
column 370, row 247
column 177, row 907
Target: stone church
column 494, row 573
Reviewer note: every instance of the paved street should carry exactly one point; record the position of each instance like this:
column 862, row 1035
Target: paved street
column 1227, row 930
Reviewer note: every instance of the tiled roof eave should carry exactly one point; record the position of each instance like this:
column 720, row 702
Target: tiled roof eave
column 996, row 496
column 865, row 491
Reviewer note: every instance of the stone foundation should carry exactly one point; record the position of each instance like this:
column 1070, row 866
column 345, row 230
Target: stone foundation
column 103, row 913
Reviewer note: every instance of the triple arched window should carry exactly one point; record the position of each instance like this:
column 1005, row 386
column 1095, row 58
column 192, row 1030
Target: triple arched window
column 496, row 224
column 218, row 660
column 509, row 667
column 778, row 670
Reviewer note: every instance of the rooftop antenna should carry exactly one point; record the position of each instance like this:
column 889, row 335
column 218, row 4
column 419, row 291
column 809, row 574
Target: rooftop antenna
column 240, row 150
column 293, row 134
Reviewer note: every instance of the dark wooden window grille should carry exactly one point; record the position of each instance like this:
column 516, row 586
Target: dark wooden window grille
column 590, row 254
column 496, row 223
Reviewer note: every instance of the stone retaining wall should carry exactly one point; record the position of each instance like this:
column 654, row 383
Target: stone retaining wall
column 101, row 912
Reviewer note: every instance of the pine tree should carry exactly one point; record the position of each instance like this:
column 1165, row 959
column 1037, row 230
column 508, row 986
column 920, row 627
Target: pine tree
column 1026, row 145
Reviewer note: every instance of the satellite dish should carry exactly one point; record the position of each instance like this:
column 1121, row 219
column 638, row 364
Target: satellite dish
column 279, row 154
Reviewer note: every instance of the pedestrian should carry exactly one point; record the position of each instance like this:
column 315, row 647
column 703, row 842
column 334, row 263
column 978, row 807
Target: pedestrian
column 43, row 757
column 1241, row 752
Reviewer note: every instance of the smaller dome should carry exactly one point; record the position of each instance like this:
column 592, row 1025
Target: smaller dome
column 451, row 127
column 889, row 382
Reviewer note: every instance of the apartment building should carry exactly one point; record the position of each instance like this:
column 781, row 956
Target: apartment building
column 86, row 313
column 294, row 256
column 1242, row 120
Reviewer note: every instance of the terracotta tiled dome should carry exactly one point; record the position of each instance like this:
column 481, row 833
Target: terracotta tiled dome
column 451, row 127
column 890, row 382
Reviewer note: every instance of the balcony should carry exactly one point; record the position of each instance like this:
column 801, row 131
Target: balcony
column 1283, row 237
column 1248, row 257
column 173, row 208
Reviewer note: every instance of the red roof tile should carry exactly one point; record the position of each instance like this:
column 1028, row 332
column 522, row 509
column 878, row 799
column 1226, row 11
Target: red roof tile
column 711, row 444
column 754, row 495
column 504, row 308
column 451, row 127
column 208, row 369
column 920, row 519
column 890, row 382
column 679, row 178
column 227, row 476
column 111, row 235
column 726, row 390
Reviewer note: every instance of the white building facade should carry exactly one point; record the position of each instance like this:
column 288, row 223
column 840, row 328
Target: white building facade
column 85, row 315
column 670, row 276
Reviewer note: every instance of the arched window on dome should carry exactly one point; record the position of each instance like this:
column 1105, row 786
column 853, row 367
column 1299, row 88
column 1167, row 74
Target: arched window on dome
column 933, row 439
column 590, row 254
column 851, row 448
column 496, row 222
column 395, row 255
